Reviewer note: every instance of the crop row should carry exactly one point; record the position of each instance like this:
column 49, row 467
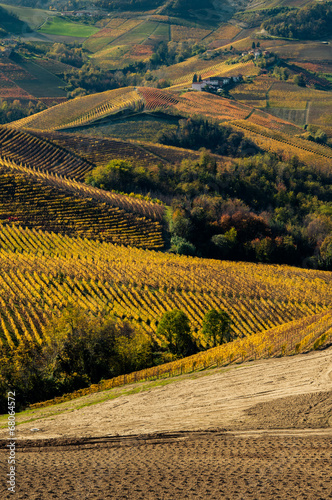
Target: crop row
column 35, row 199
column 213, row 106
column 156, row 99
column 101, row 151
column 51, row 271
column 316, row 149
column 183, row 33
column 134, row 204
column 24, row 148
column 121, row 102
column 69, row 111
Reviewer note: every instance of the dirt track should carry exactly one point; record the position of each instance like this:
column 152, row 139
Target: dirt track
column 270, row 438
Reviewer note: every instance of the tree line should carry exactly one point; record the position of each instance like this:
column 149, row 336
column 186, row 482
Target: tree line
column 311, row 22
column 84, row 349
column 259, row 208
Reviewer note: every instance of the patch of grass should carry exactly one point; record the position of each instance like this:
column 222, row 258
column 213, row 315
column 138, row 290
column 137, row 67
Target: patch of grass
column 141, row 128
column 327, row 76
column 58, row 26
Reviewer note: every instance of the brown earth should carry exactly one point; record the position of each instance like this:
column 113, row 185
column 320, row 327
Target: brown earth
column 261, row 430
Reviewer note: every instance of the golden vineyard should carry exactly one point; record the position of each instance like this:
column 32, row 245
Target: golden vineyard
column 43, row 273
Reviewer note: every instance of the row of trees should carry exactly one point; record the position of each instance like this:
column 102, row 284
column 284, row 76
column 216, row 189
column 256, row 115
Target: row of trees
column 83, row 349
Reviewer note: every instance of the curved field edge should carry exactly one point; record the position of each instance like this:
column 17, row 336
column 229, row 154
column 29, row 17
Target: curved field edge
column 291, row 338
column 134, row 204
column 141, row 285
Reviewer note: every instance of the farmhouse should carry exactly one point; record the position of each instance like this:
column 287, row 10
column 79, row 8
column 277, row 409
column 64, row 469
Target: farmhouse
column 215, row 83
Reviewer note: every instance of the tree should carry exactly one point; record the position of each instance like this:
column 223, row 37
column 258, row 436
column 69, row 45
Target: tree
column 299, row 80
column 182, row 246
column 174, row 326
column 82, row 349
column 253, row 46
column 225, row 243
column 326, row 251
column 117, row 174
column 195, row 78
column 216, row 327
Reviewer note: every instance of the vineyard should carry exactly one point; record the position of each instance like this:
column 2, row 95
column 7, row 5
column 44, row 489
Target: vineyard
column 21, row 147
column 182, row 74
column 181, row 33
column 135, row 204
column 113, row 30
column 89, row 109
column 13, row 71
column 222, row 35
column 50, row 271
column 114, row 47
column 81, row 111
column 213, row 106
column 43, row 201
column 156, row 99
column 270, row 132
column 10, row 90
column 102, row 151
column 310, row 153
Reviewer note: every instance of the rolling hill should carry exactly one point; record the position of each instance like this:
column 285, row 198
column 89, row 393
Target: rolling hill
column 136, row 284
column 63, row 241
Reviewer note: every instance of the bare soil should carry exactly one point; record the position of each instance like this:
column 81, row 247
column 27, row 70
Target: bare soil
column 261, row 430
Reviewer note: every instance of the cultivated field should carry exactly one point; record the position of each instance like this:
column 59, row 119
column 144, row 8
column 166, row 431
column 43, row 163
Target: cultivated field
column 258, row 430
column 41, row 200
column 82, row 110
column 141, row 285
column 26, row 149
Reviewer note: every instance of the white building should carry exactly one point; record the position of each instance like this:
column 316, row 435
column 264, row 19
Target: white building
column 215, row 82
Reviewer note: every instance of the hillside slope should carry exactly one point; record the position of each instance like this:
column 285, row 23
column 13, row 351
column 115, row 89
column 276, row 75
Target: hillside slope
column 298, row 389
column 140, row 285
column 271, row 133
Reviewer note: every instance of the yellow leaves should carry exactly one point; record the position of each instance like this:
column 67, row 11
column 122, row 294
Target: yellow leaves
column 141, row 285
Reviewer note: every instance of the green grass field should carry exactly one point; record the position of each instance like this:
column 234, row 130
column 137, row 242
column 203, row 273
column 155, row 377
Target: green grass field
column 58, row 26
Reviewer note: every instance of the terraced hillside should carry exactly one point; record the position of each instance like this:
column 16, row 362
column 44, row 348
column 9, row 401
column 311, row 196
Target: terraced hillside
column 51, row 271
column 82, row 110
column 21, row 147
column 44, row 201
